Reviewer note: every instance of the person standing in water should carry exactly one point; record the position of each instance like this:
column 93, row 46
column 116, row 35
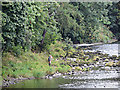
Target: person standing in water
column 49, row 59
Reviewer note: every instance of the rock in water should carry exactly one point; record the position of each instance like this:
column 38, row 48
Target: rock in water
column 50, row 77
column 107, row 68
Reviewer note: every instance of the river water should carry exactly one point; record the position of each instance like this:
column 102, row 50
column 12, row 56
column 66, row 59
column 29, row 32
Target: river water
column 111, row 49
column 90, row 79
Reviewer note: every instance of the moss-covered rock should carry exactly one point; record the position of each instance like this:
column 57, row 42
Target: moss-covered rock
column 70, row 54
column 82, row 53
column 73, row 63
column 113, row 56
column 78, row 60
column 68, row 62
column 84, row 69
column 78, row 68
column 109, row 64
column 118, row 63
column 105, row 55
column 68, row 59
column 95, row 58
column 86, row 57
column 106, row 60
column 118, row 57
column 115, row 64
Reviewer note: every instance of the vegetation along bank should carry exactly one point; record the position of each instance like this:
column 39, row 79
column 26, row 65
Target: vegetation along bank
column 31, row 31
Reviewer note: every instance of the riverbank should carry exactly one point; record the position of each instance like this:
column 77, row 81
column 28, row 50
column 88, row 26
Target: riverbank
column 35, row 65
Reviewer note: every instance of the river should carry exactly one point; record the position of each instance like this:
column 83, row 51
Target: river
column 91, row 79
column 111, row 49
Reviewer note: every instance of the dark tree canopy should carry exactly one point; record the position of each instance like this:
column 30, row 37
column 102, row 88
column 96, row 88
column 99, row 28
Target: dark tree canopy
column 34, row 26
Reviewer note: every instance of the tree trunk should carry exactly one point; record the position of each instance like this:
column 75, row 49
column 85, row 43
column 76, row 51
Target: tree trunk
column 44, row 32
column 41, row 44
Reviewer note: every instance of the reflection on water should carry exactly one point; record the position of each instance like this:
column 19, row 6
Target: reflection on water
column 41, row 83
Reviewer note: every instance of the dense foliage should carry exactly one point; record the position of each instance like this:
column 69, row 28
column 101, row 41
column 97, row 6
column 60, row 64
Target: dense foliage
column 84, row 22
column 34, row 26
column 114, row 16
column 28, row 26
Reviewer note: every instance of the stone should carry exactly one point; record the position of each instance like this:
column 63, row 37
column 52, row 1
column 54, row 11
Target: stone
column 91, row 66
column 64, row 76
column 114, row 56
column 58, row 74
column 73, row 72
column 69, row 73
column 95, row 58
column 85, row 65
column 73, row 68
column 109, row 64
column 102, row 67
column 104, row 63
column 50, row 77
column 78, row 68
column 107, row 68
column 97, row 63
column 46, row 77
column 106, row 60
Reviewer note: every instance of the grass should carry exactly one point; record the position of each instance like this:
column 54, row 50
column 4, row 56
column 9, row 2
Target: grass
column 0, row 80
column 34, row 64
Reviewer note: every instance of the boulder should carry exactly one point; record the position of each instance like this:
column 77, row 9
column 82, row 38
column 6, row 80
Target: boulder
column 95, row 58
column 91, row 66
column 46, row 77
column 109, row 64
column 103, row 68
column 50, row 77
column 97, row 63
column 64, row 76
column 57, row 75
column 71, row 59
column 106, row 55
column 113, row 57
column 78, row 68
column 107, row 68
column 106, row 60
column 85, row 65
column 73, row 68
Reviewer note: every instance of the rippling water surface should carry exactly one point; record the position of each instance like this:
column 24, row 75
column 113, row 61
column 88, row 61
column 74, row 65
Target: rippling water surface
column 111, row 49
column 94, row 79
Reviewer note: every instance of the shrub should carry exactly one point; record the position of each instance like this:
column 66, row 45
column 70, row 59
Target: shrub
column 50, row 71
column 63, row 70
column 38, row 74
column 17, row 50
